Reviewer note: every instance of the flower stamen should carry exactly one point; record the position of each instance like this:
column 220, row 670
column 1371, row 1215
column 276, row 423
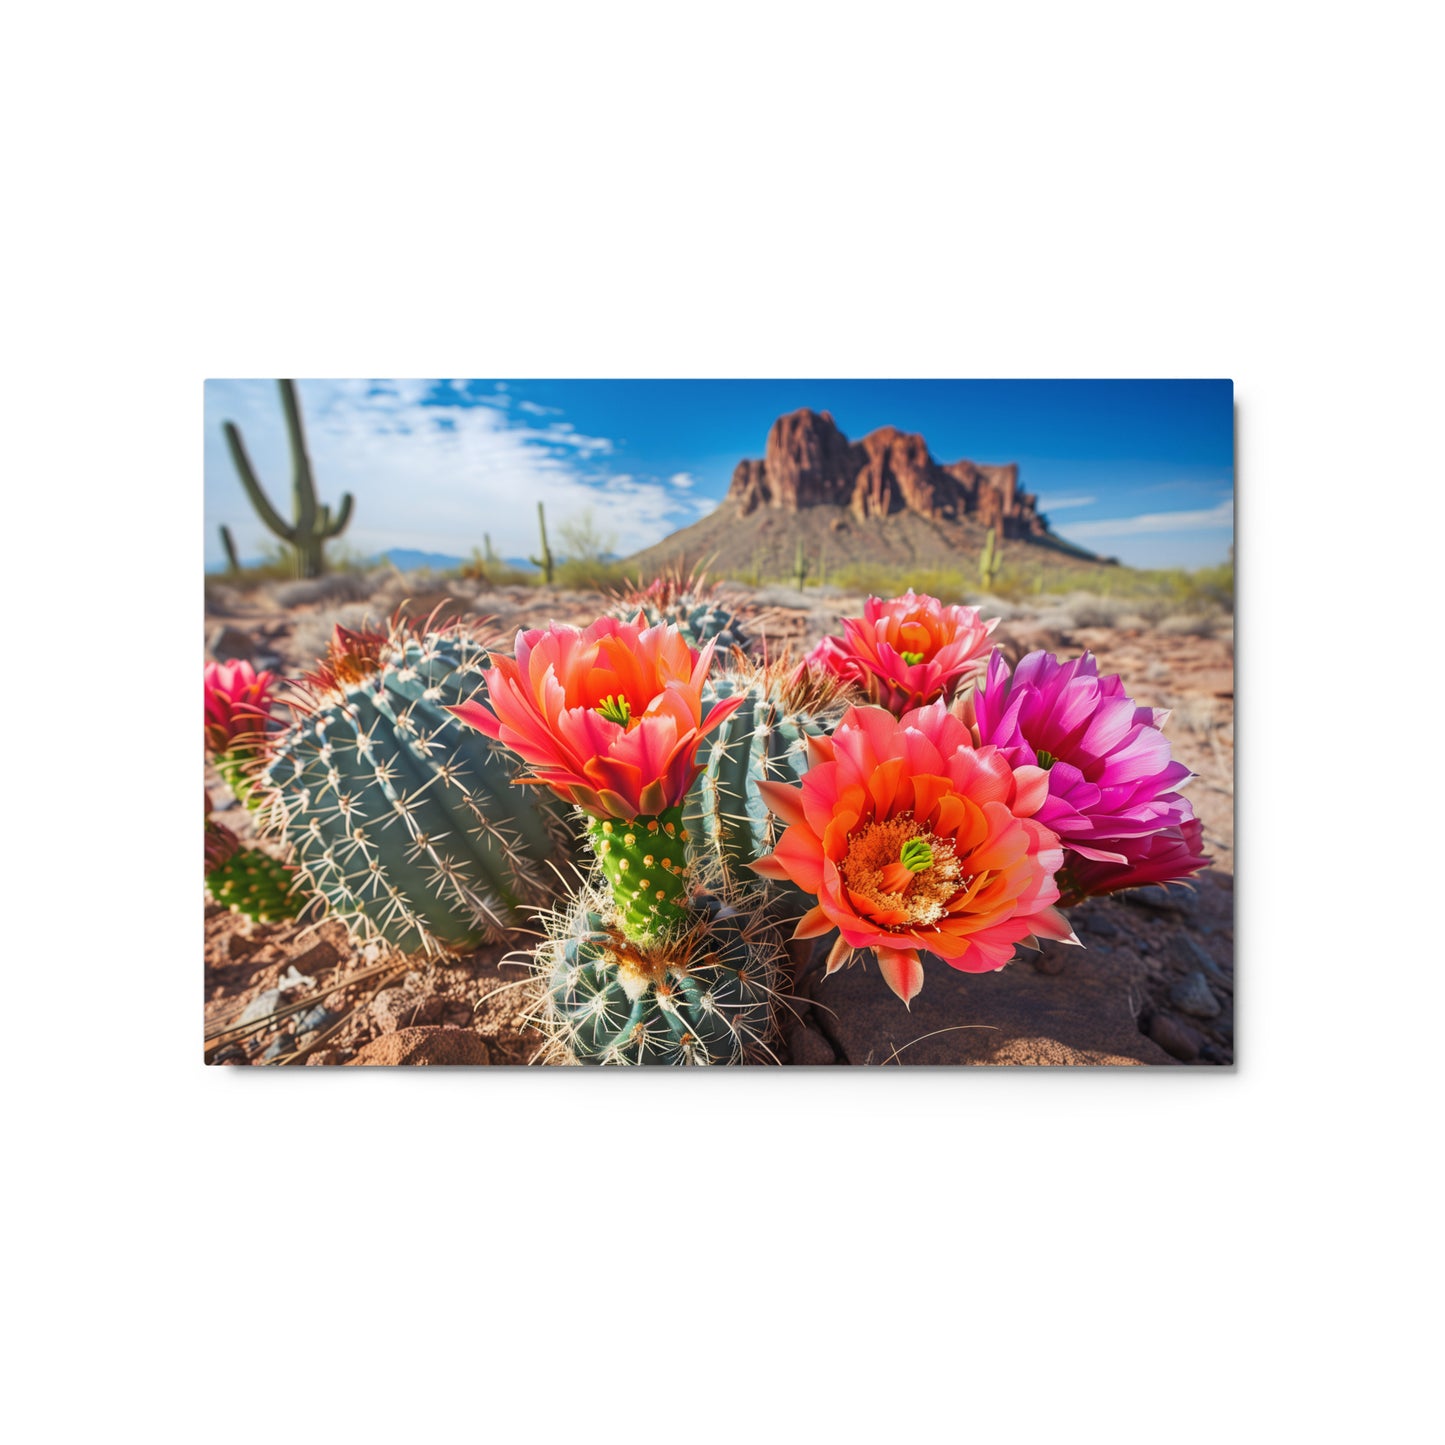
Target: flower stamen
column 616, row 710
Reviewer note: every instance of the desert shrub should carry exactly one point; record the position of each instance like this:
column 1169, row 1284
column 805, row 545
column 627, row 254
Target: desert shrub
column 1088, row 611
column 490, row 571
column 333, row 587
column 583, row 575
column 1192, row 714
column 877, row 580
column 1185, row 624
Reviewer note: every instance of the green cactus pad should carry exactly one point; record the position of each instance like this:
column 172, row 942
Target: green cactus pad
column 645, row 864
column 257, row 885
column 403, row 818
column 705, row 995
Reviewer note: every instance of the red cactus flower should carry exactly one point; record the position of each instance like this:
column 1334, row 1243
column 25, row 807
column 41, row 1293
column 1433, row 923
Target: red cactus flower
column 913, row 840
column 609, row 717
column 908, row 651
column 238, row 707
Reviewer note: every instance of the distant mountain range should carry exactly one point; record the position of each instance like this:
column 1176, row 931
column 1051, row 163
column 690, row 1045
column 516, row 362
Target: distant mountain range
column 408, row 559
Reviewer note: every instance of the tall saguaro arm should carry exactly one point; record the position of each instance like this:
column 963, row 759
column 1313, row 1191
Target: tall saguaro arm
column 314, row 525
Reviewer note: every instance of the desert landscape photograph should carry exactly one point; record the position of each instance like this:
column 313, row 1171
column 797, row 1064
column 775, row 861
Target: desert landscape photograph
column 739, row 722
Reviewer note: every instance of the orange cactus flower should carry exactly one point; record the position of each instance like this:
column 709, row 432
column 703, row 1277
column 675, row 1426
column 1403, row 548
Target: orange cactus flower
column 609, row 716
column 914, row 841
column 908, row 651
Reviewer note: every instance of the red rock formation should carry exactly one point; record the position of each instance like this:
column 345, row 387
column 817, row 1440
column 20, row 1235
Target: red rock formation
column 809, row 462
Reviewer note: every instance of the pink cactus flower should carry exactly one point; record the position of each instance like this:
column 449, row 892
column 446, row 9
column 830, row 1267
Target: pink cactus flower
column 908, row 651
column 914, row 841
column 609, row 717
column 238, row 707
column 1112, row 781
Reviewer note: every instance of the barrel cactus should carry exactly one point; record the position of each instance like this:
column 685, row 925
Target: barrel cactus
column 689, row 604
column 406, row 822
column 704, row 994
column 764, row 740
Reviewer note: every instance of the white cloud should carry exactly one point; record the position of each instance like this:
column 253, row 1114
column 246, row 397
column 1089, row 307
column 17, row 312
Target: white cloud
column 537, row 409
column 1220, row 516
column 682, row 479
column 431, row 477
column 1061, row 503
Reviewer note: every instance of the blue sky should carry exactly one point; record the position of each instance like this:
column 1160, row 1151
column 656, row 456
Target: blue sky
column 1140, row 470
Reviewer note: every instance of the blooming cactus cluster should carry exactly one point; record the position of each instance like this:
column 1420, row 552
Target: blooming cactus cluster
column 956, row 832
column 947, row 807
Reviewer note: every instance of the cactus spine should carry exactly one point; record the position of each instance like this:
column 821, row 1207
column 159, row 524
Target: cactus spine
column 766, row 739
column 544, row 563
column 703, row 994
column 314, row 525
column 686, row 602
column 990, row 561
column 402, row 818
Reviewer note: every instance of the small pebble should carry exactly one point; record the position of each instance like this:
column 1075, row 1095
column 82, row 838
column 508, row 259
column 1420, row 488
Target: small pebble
column 1192, row 995
column 263, row 1004
column 1176, row 1037
column 1161, row 899
column 1193, row 953
column 315, row 1020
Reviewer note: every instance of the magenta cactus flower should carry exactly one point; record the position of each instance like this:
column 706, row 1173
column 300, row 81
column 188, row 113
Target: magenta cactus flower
column 1112, row 781
column 238, row 707
column 1165, row 857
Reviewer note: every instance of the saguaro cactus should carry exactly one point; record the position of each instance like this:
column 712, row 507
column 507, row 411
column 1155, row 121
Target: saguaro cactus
column 544, row 563
column 800, row 567
column 990, row 561
column 233, row 562
column 314, row 525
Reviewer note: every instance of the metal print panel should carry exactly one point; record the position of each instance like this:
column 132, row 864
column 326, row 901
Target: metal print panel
column 741, row 723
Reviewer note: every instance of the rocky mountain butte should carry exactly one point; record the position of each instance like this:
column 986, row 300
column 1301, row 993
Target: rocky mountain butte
column 809, row 462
